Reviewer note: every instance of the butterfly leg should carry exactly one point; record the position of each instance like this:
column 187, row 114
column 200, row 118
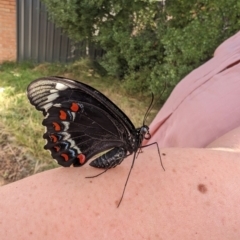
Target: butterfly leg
column 97, row 174
column 129, row 173
column 134, row 158
column 138, row 152
column 158, row 152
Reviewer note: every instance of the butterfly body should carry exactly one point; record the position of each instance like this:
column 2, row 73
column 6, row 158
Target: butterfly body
column 81, row 122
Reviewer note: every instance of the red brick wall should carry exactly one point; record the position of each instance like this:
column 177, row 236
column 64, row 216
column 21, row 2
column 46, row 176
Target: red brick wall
column 8, row 45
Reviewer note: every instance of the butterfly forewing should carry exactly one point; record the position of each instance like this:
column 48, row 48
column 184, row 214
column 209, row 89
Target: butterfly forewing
column 50, row 90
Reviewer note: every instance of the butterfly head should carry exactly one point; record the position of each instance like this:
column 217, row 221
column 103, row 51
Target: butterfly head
column 144, row 132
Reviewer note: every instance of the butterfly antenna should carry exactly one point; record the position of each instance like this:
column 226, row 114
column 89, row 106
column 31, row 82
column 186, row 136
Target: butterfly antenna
column 151, row 104
column 148, row 110
column 134, row 157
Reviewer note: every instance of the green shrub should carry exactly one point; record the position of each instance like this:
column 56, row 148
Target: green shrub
column 147, row 44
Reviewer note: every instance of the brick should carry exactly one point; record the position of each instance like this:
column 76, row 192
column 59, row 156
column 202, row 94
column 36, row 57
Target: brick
column 2, row 9
column 5, row 2
column 7, row 30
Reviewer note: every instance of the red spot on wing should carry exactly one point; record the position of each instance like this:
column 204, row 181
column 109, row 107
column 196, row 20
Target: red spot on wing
column 81, row 157
column 65, row 156
column 53, row 138
column 56, row 126
column 74, row 107
column 57, row 148
column 63, row 115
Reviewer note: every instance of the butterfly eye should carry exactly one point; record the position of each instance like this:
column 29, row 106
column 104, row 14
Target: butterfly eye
column 144, row 130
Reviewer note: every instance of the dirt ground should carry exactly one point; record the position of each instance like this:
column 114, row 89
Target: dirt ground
column 15, row 164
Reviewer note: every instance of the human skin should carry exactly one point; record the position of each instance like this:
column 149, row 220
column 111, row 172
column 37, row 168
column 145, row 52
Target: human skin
column 197, row 197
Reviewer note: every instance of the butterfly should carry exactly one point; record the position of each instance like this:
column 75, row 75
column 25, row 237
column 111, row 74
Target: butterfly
column 81, row 122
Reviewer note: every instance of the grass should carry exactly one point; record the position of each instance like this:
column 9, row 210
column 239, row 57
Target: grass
column 23, row 122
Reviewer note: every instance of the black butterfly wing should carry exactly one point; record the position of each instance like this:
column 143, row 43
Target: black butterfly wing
column 80, row 121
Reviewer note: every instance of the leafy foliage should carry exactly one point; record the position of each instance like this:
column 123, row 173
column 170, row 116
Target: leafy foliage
column 147, row 43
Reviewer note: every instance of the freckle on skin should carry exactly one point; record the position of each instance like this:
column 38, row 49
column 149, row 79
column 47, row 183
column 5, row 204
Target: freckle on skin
column 97, row 214
column 208, row 204
column 202, row 188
